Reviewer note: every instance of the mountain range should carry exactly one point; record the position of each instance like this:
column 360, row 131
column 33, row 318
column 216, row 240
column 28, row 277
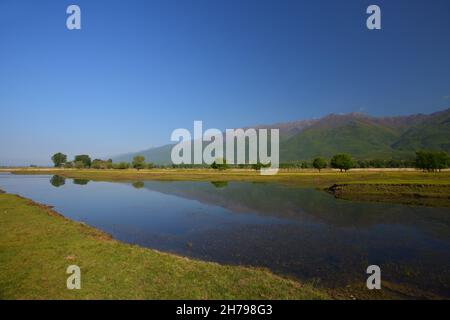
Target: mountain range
column 361, row 135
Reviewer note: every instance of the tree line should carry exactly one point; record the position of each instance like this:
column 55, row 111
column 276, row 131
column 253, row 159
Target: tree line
column 430, row 161
column 83, row 161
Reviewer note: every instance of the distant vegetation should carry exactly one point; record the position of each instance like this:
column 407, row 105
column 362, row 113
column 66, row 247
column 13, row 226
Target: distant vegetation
column 432, row 161
column 425, row 160
column 83, row 161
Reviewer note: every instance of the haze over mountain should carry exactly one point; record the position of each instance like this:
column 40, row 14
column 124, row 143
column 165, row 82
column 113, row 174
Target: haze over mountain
column 363, row 136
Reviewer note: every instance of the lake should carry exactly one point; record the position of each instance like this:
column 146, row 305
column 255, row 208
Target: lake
column 299, row 232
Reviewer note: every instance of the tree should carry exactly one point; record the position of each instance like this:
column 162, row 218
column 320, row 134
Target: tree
column 85, row 159
column 101, row 164
column 59, row 159
column 258, row 166
column 68, row 165
column 138, row 162
column 78, row 164
column 220, row 164
column 121, row 165
column 442, row 160
column 319, row 163
column 432, row 161
column 342, row 161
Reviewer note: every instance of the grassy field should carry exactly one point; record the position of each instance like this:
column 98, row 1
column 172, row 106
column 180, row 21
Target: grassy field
column 37, row 245
column 432, row 195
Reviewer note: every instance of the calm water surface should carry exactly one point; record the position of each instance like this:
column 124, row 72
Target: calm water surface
column 301, row 232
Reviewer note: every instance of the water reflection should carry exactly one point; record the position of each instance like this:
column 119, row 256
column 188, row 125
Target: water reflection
column 57, row 181
column 138, row 184
column 301, row 232
column 219, row 184
column 81, row 182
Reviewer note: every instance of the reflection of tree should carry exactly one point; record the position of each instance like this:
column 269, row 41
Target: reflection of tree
column 57, row 181
column 81, row 182
column 219, row 184
column 138, row 184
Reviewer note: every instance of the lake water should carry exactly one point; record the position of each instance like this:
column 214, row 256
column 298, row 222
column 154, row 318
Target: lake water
column 301, row 232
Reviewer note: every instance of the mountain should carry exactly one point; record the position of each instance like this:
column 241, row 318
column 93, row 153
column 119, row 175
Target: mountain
column 158, row 155
column 361, row 135
column 432, row 133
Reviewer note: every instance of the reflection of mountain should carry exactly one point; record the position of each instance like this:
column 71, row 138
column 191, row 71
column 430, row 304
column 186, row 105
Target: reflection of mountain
column 301, row 203
column 361, row 135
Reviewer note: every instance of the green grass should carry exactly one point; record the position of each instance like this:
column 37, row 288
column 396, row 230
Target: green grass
column 432, row 195
column 37, row 245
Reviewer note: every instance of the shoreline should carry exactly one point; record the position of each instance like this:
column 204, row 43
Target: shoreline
column 241, row 282
column 135, row 272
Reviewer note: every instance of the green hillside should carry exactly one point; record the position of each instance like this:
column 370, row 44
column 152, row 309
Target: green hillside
column 431, row 134
column 159, row 155
column 362, row 136
column 349, row 134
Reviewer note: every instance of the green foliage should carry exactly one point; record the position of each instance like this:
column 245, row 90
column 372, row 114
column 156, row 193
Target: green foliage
column 342, row 161
column 101, row 164
column 78, row 164
column 319, row 163
column 138, row 162
column 258, row 166
column 220, row 164
column 69, row 165
column 304, row 165
column 121, row 165
column 432, row 161
column 381, row 163
column 84, row 158
column 59, row 159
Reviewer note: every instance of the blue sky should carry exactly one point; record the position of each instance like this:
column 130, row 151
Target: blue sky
column 139, row 69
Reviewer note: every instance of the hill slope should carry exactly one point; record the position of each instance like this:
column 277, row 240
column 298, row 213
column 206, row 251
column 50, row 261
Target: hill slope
column 363, row 136
column 433, row 133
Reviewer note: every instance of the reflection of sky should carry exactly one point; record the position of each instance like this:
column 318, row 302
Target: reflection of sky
column 303, row 232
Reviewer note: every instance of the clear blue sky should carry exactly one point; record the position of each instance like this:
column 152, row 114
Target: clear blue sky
column 139, row 69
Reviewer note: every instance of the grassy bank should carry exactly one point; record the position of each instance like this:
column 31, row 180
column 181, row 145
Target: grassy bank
column 433, row 195
column 37, row 245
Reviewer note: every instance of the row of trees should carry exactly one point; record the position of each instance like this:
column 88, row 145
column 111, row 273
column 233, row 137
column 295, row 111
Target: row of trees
column 340, row 161
column 432, row 161
column 425, row 160
column 84, row 161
